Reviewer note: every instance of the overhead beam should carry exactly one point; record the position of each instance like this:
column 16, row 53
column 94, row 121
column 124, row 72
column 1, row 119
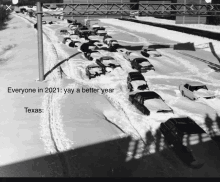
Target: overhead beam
column 146, row 9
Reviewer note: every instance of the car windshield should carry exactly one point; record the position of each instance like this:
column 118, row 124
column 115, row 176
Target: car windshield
column 84, row 28
column 137, row 78
column 189, row 128
column 152, row 97
column 195, row 88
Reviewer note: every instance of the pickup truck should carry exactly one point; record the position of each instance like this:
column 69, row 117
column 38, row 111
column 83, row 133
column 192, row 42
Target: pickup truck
column 174, row 130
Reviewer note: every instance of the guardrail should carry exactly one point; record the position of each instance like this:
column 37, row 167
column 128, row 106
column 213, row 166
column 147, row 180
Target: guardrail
column 202, row 33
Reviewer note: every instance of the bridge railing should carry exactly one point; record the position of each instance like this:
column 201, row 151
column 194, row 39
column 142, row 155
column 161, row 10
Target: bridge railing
column 145, row 9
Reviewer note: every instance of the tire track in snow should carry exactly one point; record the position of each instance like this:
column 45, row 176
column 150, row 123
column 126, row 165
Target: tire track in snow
column 52, row 132
column 73, row 73
column 128, row 117
column 81, row 82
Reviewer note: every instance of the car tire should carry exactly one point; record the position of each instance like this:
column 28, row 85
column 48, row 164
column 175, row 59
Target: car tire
column 183, row 93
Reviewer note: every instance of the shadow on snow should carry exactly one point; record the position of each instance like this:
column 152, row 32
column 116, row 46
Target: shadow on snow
column 111, row 159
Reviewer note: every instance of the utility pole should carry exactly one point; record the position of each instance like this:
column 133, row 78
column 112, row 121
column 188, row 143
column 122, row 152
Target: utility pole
column 40, row 42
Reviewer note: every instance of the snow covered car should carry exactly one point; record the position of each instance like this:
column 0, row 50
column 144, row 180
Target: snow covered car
column 128, row 55
column 73, row 29
column 100, row 45
column 74, row 24
column 149, row 102
column 95, row 37
column 113, row 45
column 71, row 43
column 108, row 63
column 65, row 39
column 96, row 29
column 74, row 37
column 82, row 31
column 106, row 37
column 134, row 13
column 112, row 42
column 87, row 47
column 64, row 32
column 136, row 82
column 94, row 70
column 150, row 52
column 101, row 32
column 122, row 50
column 95, row 26
column 93, row 55
column 174, row 130
column 196, row 90
column 142, row 65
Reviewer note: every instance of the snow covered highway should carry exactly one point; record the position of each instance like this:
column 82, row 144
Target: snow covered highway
column 89, row 111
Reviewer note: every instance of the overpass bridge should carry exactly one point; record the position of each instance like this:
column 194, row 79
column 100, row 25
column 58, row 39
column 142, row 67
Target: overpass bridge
column 80, row 9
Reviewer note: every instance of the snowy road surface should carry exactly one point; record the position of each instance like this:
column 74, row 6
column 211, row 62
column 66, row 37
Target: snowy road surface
column 83, row 119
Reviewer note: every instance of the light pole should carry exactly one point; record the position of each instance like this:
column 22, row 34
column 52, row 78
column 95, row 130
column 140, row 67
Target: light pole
column 40, row 41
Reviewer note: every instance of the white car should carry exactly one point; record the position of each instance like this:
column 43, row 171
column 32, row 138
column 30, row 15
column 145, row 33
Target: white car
column 149, row 102
column 95, row 37
column 93, row 55
column 196, row 90
column 130, row 56
column 122, row 50
column 74, row 37
column 107, row 40
column 101, row 32
column 150, row 52
column 100, row 45
column 95, row 26
column 108, row 63
column 136, row 82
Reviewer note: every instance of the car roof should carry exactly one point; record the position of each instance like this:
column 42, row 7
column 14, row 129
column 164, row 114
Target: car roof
column 141, row 59
column 148, row 94
column 101, row 28
column 195, row 83
column 135, row 74
column 93, row 65
column 186, row 125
